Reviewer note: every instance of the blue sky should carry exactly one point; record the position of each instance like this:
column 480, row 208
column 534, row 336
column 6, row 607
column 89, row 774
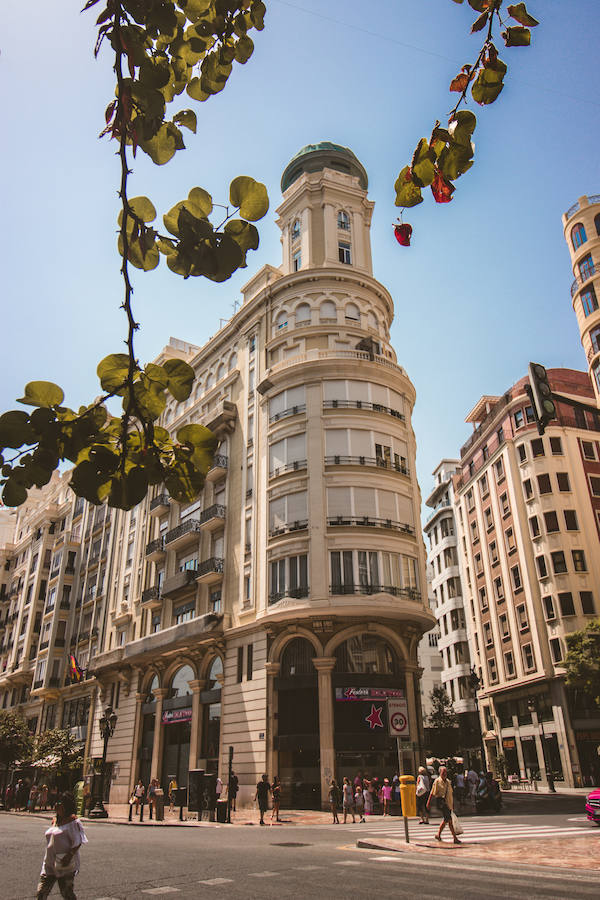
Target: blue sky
column 483, row 289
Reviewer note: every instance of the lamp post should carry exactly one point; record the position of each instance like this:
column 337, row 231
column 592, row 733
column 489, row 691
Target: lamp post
column 475, row 682
column 106, row 722
column 533, row 708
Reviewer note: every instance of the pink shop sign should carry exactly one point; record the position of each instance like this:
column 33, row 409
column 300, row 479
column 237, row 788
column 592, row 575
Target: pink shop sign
column 172, row 716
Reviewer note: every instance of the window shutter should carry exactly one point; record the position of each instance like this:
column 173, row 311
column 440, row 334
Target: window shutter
column 358, row 390
column 296, row 448
column 360, row 443
column 379, row 394
column 338, row 501
column 296, row 506
column 336, row 442
column 387, row 505
column 364, row 502
column 276, row 455
column 277, row 513
column 335, row 390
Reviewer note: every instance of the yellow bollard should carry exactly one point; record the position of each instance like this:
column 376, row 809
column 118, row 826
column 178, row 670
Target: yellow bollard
column 408, row 798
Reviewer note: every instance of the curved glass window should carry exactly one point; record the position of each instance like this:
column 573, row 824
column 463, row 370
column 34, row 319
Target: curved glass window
column 578, row 235
column 586, row 267
column 303, row 314
column 343, row 220
column 297, row 658
column 296, row 230
column 597, row 223
column 180, row 684
column 596, row 375
column 589, row 302
column 216, row 669
column 366, row 654
column 154, row 685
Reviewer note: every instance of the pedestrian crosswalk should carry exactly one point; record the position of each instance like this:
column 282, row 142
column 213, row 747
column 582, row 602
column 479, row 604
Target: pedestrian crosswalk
column 475, row 831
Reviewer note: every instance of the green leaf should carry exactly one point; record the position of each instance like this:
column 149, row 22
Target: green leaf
column 181, row 377
column 149, row 398
column 183, row 481
column 257, row 14
column 195, row 90
column 146, row 259
column 194, row 9
column 488, row 84
column 163, row 146
column 113, row 370
column 480, row 22
column 187, row 118
column 422, row 167
column 156, row 374
column 128, row 490
column 199, row 202
column 42, row 393
column 519, row 12
column 250, row 196
column 15, row 429
column 517, row 36
column 14, row 494
column 466, row 120
column 407, row 193
column 143, row 209
column 244, row 234
column 197, row 436
column 243, row 49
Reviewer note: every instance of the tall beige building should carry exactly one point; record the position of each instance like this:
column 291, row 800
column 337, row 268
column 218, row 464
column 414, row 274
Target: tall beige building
column 529, row 523
column 277, row 612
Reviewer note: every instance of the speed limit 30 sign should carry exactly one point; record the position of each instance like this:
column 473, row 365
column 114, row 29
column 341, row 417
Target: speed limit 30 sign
column 398, row 717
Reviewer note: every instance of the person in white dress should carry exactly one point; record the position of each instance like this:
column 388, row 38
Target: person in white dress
column 61, row 860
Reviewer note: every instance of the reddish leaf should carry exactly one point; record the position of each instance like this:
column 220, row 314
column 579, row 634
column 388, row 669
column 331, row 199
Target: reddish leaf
column 109, row 111
column 441, row 189
column 403, row 233
column 460, row 83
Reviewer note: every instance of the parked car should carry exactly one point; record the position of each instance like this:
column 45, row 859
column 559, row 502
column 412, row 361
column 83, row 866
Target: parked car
column 592, row 806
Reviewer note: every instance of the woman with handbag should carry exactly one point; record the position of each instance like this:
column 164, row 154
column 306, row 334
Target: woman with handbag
column 442, row 791
column 63, row 840
column 423, row 795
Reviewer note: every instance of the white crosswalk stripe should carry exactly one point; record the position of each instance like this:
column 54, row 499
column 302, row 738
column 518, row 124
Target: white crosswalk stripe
column 217, row 881
column 477, row 832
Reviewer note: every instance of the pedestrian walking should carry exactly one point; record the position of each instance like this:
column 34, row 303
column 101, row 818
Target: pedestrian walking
column 460, row 789
column 61, row 860
column 234, row 786
column 472, row 782
column 276, row 794
column 262, row 796
column 44, row 796
column 172, row 789
column 359, row 804
column 386, row 796
column 442, row 791
column 9, row 797
column 139, row 792
column 396, row 789
column 152, row 795
column 423, row 786
column 33, row 798
column 368, row 798
column 334, row 801
column 218, row 788
column 348, row 799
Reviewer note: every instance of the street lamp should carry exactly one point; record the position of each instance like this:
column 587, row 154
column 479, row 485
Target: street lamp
column 533, row 708
column 475, row 682
column 106, row 723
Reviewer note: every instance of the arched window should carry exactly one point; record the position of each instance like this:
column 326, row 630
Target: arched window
column 212, row 682
column 180, row 684
column 154, row 685
column 589, row 301
column 586, row 267
column 595, row 339
column 343, row 220
column 372, row 321
column 367, row 654
column 578, row 235
column 597, row 223
column 232, row 361
column 297, row 658
column 352, row 312
column 210, row 380
column 221, row 371
column 296, row 230
column 303, row 314
column 282, row 320
column 328, row 311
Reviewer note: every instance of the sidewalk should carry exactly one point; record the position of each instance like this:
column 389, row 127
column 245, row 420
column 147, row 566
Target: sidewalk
column 571, row 853
column 118, row 814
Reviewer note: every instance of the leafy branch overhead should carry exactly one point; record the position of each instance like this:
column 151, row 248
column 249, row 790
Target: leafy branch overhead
column 440, row 160
column 162, row 48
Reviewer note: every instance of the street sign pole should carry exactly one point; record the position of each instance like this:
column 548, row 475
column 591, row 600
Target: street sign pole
column 229, row 785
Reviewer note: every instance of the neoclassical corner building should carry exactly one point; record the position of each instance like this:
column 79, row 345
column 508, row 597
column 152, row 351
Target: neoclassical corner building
column 242, row 619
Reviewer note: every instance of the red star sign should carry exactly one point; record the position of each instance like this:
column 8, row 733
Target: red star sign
column 374, row 718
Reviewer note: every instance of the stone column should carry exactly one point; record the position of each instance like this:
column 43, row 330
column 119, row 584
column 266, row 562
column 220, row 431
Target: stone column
column 325, row 666
column 157, row 746
column 90, row 728
column 272, row 669
column 220, row 677
column 197, row 687
column 135, row 747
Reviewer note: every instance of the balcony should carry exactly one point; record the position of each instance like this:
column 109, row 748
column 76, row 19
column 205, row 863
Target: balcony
column 369, row 522
column 83, row 637
column 159, row 505
column 44, row 645
column 368, row 589
column 284, row 414
column 298, row 525
column 210, row 570
column 376, row 461
column 65, row 604
column 443, row 505
column 37, row 684
column 213, row 517
column 218, row 468
column 185, row 533
column 178, row 582
column 294, row 593
column 363, row 404
column 581, row 279
column 155, row 550
column 295, row 466
column 310, row 356
column 151, row 597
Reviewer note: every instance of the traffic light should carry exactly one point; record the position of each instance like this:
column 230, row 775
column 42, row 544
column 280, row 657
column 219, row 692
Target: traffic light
column 541, row 396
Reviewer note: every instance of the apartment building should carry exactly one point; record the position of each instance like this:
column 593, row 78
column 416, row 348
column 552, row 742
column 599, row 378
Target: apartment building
column 529, row 524
column 277, row 612
column 429, row 657
column 447, row 575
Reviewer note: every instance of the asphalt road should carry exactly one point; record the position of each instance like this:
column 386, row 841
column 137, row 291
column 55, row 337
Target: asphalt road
column 121, row 862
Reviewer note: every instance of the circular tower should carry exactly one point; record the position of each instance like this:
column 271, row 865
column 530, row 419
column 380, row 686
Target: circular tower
column 581, row 224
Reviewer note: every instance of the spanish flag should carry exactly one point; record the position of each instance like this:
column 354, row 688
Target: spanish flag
column 75, row 670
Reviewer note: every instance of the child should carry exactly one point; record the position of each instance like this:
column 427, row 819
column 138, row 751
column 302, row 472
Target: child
column 61, row 861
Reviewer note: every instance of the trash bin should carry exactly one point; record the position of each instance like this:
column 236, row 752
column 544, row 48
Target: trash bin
column 159, row 804
column 222, row 811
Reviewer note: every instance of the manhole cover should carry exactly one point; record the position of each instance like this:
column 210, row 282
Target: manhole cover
column 291, row 844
